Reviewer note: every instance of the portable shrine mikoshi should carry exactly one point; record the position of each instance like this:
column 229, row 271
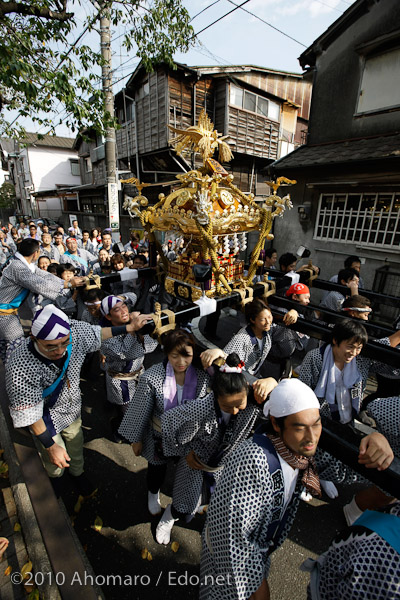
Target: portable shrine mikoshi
column 211, row 215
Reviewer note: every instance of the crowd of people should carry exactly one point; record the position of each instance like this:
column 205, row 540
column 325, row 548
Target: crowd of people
column 240, row 427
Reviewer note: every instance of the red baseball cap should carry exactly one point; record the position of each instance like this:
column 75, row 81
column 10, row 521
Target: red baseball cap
column 297, row 288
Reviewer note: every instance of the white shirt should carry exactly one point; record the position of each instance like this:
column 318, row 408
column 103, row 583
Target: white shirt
column 295, row 277
column 179, row 391
column 30, row 266
column 260, row 343
column 289, row 478
column 343, row 397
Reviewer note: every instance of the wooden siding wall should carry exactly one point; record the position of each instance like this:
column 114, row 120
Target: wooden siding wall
column 242, row 170
column 150, row 115
column 99, row 172
column 249, row 133
column 284, row 86
column 253, row 134
column 181, row 100
column 125, row 140
column 301, row 132
column 220, row 105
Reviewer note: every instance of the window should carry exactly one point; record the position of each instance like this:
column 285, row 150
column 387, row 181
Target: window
column 262, row 106
column 250, row 101
column 130, row 111
column 254, row 103
column 88, row 164
column 93, row 205
column 365, row 219
column 144, row 90
column 380, row 87
column 121, row 115
column 274, row 111
column 236, row 96
column 75, row 167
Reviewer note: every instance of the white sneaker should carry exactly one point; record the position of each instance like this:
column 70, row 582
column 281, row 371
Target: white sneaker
column 352, row 512
column 153, row 503
column 164, row 527
column 329, row 488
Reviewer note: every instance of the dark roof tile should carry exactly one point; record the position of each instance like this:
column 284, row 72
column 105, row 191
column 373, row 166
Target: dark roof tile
column 344, row 151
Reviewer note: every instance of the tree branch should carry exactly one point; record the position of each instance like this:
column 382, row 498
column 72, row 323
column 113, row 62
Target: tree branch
column 35, row 11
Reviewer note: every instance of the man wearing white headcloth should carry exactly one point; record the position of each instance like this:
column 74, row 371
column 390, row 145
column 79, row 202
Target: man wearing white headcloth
column 257, row 495
column 42, row 382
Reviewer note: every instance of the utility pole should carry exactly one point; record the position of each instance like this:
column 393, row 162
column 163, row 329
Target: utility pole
column 110, row 146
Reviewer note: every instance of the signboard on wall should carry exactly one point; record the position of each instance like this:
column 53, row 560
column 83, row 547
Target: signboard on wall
column 113, row 209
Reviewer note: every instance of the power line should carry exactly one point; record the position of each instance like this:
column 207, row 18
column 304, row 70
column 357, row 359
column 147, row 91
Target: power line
column 269, row 24
column 220, row 19
column 204, row 9
column 210, row 54
column 329, row 6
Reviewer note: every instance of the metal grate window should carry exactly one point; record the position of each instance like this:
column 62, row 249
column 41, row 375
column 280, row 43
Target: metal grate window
column 367, row 219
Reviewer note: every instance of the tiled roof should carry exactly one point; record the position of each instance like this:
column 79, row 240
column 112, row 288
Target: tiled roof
column 52, row 141
column 365, row 149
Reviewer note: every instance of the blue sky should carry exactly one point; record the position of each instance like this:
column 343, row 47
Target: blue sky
column 239, row 38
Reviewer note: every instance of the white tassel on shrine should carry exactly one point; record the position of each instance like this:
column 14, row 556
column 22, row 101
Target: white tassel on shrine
column 226, row 245
column 236, row 248
column 243, row 241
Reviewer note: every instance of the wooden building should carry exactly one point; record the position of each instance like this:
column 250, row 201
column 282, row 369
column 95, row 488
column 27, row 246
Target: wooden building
column 263, row 112
column 347, row 197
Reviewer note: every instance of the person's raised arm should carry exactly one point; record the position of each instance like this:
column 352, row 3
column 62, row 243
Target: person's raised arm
column 137, row 321
column 208, row 356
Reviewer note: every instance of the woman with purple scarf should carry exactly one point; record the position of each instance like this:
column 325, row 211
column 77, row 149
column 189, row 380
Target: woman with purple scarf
column 164, row 386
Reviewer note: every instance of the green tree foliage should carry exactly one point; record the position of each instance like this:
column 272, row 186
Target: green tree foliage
column 45, row 68
column 7, row 195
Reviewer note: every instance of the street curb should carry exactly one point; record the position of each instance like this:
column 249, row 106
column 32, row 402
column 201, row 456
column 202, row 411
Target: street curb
column 34, row 542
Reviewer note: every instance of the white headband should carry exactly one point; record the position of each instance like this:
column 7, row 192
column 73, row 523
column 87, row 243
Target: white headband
column 108, row 304
column 225, row 368
column 358, row 309
column 290, row 396
column 92, row 303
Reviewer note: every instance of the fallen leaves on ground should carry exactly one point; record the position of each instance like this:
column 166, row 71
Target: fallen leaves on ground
column 78, row 504
column 3, row 469
column 26, row 569
column 98, row 524
column 146, row 555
